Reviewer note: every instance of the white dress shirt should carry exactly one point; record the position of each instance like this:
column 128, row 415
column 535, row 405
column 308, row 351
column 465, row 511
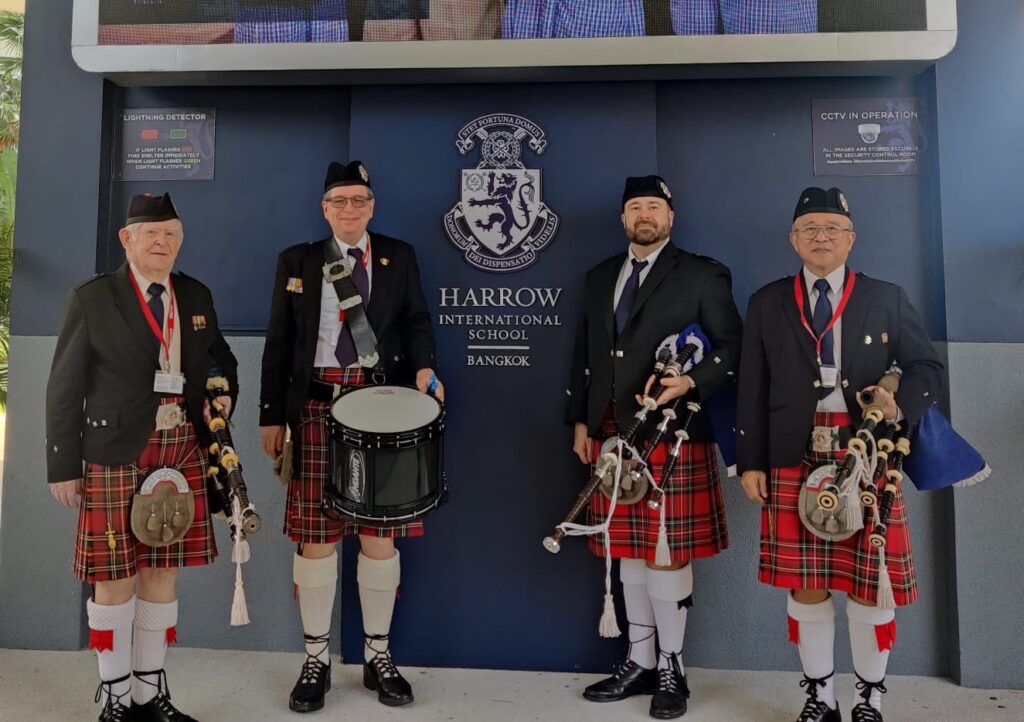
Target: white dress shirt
column 627, row 269
column 175, row 350
column 834, row 402
column 330, row 319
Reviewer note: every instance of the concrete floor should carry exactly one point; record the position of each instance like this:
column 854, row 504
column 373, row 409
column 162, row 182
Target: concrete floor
column 253, row 687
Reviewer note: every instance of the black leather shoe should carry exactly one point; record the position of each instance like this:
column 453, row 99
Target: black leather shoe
column 815, row 710
column 314, row 683
column 113, row 710
column 863, row 711
column 158, row 709
column 669, row 700
column 628, row 679
column 381, row 675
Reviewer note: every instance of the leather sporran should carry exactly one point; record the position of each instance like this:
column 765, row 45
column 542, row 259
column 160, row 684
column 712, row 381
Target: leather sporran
column 632, row 481
column 163, row 508
column 828, row 525
column 284, row 464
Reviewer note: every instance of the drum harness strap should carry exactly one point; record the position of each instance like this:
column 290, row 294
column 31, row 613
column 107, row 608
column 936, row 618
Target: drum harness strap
column 338, row 272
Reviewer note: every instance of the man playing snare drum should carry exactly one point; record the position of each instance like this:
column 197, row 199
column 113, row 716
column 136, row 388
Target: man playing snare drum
column 317, row 347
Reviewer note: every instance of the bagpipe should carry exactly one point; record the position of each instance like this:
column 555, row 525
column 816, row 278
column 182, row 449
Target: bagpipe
column 623, row 472
column 230, row 495
column 835, row 497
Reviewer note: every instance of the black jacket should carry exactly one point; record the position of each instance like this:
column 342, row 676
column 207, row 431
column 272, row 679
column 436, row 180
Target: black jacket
column 680, row 289
column 396, row 310
column 100, row 403
column 777, row 396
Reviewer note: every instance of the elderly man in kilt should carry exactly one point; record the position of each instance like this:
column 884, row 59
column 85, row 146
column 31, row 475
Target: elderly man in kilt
column 309, row 357
column 801, row 379
column 126, row 399
column 632, row 301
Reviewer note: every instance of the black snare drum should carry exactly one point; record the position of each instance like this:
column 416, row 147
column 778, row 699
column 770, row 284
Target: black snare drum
column 387, row 455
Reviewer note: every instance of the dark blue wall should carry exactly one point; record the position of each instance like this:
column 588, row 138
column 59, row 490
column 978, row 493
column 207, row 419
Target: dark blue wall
column 271, row 149
column 738, row 153
column 981, row 111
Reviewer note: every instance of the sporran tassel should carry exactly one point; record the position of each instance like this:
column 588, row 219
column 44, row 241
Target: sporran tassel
column 853, row 514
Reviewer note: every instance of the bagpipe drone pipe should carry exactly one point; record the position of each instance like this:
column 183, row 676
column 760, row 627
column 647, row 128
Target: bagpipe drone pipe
column 878, row 459
column 622, row 470
column 229, row 493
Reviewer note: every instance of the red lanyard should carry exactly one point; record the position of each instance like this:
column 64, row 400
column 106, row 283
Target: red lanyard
column 798, row 295
column 151, row 320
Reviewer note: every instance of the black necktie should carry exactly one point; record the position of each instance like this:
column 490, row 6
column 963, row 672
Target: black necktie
column 822, row 316
column 345, row 351
column 156, row 306
column 625, row 306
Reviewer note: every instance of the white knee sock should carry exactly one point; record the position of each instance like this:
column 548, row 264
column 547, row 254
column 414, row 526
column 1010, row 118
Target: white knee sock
column 670, row 592
column 872, row 634
column 155, row 628
column 814, row 629
column 639, row 612
column 110, row 634
column 378, row 582
column 316, row 581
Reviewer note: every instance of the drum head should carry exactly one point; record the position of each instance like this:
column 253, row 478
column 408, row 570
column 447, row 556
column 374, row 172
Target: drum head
column 385, row 409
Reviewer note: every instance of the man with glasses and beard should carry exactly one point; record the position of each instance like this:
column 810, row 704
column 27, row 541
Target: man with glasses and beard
column 632, row 301
column 313, row 352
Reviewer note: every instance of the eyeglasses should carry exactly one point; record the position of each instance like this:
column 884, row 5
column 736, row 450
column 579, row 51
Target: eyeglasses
column 341, row 202
column 832, row 231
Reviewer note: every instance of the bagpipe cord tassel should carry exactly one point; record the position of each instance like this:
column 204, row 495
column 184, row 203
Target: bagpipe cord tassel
column 609, row 625
column 239, row 555
column 853, row 512
column 886, row 598
column 662, row 554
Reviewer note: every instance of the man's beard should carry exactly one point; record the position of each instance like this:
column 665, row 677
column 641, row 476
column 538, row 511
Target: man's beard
column 647, row 234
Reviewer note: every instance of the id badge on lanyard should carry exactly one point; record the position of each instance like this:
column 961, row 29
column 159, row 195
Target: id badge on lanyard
column 164, row 382
column 828, row 373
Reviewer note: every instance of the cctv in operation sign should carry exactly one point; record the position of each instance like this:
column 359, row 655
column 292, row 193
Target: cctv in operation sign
column 870, row 136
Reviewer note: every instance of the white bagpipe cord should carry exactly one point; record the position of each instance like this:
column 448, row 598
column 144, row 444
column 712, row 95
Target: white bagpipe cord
column 608, row 626
column 863, row 470
column 239, row 555
column 885, row 598
column 662, row 554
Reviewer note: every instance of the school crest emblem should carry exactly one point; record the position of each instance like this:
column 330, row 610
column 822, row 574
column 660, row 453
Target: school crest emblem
column 500, row 222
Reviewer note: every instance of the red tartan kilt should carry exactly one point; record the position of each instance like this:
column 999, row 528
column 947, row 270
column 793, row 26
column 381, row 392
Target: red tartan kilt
column 793, row 558
column 107, row 499
column 694, row 509
column 304, row 521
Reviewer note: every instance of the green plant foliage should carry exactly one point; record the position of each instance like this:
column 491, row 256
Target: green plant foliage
column 12, row 30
